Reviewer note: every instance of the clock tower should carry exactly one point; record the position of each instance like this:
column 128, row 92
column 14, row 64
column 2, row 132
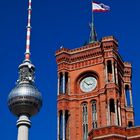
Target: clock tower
column 94, row 90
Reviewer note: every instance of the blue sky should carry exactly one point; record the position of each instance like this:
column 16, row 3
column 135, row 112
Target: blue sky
column 56, row 23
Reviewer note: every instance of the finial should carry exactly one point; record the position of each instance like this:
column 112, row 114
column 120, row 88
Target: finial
column 93, row 34
column 27, row 53
column 61, row 46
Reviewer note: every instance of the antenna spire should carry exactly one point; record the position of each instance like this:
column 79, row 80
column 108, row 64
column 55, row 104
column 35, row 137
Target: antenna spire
column 28, row 36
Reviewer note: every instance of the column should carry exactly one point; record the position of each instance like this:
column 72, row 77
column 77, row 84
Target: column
column 68, row 126
column 116, row 73
column 119, row 112
column 116, row 114
column 64, row 83
column 131, row 102
column 58, row 126
column 106, row 73
column 68, row 85
column 108, row 114
column 64, row 125
column 113, row 72
column 23, row 124
column 58, row 85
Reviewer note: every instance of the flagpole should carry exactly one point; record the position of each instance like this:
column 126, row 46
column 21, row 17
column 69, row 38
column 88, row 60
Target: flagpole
column 93, row 34
column 98, row 7
column 92, row 24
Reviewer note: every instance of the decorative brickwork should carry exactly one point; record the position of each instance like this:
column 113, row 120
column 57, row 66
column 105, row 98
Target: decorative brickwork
column 115, row 133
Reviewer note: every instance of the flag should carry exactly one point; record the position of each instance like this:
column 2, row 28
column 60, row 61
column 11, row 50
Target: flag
column 99, row 7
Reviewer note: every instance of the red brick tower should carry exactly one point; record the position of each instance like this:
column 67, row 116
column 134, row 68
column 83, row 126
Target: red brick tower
column 94, row 92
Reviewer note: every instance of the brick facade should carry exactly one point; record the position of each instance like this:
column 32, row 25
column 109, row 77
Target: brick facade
column 104, row 109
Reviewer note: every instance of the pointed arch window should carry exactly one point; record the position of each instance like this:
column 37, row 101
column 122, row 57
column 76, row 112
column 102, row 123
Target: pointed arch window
column 85, row 121
column 94, row 114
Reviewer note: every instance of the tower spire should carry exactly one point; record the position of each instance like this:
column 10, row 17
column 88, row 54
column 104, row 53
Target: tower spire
column 28, row 36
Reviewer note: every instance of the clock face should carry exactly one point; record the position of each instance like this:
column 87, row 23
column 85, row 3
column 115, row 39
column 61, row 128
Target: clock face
column 88, row 84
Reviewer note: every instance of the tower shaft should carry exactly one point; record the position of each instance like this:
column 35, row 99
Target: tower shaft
column 23, row 125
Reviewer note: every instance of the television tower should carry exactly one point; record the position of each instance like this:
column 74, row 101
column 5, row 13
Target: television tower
column 25, row 100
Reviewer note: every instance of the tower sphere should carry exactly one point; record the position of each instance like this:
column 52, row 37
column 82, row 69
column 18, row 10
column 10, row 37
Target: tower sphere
column 24, row 99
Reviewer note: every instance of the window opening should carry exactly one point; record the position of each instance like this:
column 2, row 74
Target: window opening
column 94, row 115
column 127, row 92
column 85, row 121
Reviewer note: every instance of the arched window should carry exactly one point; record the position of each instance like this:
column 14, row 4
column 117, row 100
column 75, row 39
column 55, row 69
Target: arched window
column 112, row 111
column 109, row 70
column 61, row 126
column 94, row 114
column 85, row 121
column 66, row 82
column 112, row 108
column 61, row 83
column 127, row 93
column 109, row 66
column 130, row 124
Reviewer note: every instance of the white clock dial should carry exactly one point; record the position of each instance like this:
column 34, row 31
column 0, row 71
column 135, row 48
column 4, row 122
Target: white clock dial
column 88, row 84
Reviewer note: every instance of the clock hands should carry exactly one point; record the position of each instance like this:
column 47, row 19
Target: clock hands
column 91, row 83
column 88, row 83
